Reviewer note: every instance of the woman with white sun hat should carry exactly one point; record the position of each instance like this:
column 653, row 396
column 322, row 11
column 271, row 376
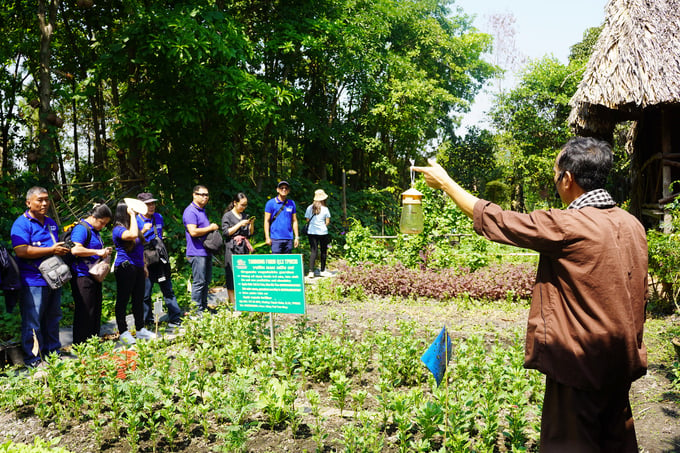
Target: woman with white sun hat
column 318, row 217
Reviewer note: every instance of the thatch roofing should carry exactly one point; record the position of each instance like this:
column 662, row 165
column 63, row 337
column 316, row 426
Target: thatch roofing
column 635, row 64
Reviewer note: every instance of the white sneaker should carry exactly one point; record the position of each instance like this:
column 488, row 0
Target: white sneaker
column 326, row 274
column 127, row 338
column 310, row 275
column 144, row 334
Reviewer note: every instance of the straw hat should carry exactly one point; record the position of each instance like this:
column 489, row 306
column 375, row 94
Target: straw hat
column 320, row 195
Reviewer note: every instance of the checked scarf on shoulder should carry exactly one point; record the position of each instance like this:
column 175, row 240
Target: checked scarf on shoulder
column 598, row 198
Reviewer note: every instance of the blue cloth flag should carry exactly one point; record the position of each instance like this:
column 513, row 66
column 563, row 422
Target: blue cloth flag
column 438, row 355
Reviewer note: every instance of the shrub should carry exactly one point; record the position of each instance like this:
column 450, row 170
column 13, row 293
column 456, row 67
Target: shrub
column 664, row 263
column 512, row 281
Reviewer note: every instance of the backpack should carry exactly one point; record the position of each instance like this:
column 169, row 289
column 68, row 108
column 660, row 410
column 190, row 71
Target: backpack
column 10, row 278
column 65, row 237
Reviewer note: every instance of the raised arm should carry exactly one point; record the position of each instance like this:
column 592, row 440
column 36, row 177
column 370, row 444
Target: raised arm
column 437, row 178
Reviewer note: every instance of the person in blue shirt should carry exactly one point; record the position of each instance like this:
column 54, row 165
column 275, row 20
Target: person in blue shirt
column 197, row 226
column 318, row 216
column 34, row 238
column 280, row 221
column 130, row 272
column 151, row 224
column 88, row 247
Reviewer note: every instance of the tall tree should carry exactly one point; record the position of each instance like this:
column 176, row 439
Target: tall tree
column 47, row 21
column 532, row 122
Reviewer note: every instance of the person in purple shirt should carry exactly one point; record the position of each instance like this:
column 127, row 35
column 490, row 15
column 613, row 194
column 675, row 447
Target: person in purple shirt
column 197, row 226
column 34, row 238
column 151, row 224
column 130, row 272
column 87, row 292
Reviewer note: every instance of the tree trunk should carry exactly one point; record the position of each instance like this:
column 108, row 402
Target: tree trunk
column 47, row 17
column 98, row 152
column 76, row 156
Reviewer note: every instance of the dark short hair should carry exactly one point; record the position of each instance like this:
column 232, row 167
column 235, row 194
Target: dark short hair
column 237, row 199
column 589, row 160
column 198, row 187
column 101, row 211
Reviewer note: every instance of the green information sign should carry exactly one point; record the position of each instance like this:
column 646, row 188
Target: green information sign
column 269, row 283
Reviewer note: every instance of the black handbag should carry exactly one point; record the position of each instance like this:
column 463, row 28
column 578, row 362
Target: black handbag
column 155, row 252
column 213, row 242
column 305, row 227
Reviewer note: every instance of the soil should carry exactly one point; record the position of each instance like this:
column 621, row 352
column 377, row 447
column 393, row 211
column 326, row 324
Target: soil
column 655, row 407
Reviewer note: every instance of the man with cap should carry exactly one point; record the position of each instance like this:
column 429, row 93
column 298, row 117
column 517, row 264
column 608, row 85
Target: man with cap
column 280, row 221
column 151, row 225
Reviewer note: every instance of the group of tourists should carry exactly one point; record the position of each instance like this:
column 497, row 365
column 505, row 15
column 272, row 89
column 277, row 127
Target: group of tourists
column 141, row 260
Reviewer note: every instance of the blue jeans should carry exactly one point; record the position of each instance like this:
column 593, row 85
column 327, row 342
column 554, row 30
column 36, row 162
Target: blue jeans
column 40, row 313
column 164, row 282
column 282, row 246
column 201, row 277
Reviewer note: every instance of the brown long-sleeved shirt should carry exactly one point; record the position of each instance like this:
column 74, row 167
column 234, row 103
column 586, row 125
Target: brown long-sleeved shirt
column 588, row 305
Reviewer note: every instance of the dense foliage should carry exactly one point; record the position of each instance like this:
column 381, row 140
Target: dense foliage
column 664, row 263
column 174, row 93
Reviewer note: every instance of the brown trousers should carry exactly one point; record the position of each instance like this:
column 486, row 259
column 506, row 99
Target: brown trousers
column 587, row 421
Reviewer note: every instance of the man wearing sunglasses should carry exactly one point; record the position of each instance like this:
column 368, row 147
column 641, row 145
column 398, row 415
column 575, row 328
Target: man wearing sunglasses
column 588, row 305
column 196, row 227
column 280, row 221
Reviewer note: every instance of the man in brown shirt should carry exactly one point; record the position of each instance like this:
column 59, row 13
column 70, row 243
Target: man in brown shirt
column 588, row 305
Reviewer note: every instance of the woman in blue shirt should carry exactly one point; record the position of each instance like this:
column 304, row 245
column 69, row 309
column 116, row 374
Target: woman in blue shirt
column 87, row 292
column 130, row 273
column 318, row 216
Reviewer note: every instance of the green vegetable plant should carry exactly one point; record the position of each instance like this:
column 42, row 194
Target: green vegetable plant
column 363, row 436
column 485, row 399
column 339, row 389
column 276, row 399
column 319, row 434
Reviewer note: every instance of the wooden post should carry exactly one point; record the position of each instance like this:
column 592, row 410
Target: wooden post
column 666, row 169
column 271, row 330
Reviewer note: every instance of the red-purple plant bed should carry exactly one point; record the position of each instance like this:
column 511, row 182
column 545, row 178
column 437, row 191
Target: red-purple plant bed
column 489, row 283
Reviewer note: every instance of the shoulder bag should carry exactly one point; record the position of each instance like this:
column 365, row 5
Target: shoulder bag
column 213, row 242
column 305, row 227
column 54, row 270
column 100, row 269
column 283, row 205
column 154, row 250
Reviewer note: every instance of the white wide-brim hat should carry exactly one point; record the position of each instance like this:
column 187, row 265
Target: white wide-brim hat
column 320, row 195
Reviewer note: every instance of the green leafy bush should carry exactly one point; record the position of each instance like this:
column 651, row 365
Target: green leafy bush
column 664, row 264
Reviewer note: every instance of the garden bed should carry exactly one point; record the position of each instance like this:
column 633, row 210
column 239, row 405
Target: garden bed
column 289, row 404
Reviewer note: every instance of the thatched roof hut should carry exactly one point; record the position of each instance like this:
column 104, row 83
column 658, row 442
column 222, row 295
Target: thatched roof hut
column 634, row 74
